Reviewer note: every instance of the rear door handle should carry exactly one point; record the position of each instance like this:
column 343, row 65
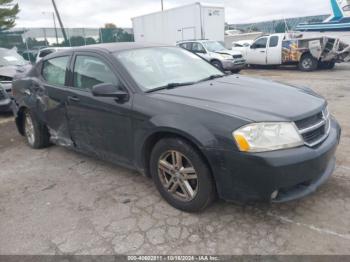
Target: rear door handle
column 262, row 51
column 73, row 99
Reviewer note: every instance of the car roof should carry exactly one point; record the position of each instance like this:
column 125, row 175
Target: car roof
column 115, row 47
column 199, row 41
column 54, row 48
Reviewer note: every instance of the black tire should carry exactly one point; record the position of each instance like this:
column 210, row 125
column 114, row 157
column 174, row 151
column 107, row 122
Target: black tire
column 217, row 64
column 326, row 65
column 308, row 63
column 40, row 137
column 236, row 71
column 205, row 188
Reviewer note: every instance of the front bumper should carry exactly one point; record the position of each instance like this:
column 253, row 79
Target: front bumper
column 5, row 99
column 233, row 64
column 295, row 172
column 6, row 105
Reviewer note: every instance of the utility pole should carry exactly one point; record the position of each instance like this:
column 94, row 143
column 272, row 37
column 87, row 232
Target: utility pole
column 54, row 23
column 60, row 21
column 162, row 5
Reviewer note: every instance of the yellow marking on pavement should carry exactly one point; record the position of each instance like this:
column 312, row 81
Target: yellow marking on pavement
column 6, row 120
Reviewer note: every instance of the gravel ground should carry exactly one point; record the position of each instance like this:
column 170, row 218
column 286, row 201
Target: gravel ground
column 56, row 201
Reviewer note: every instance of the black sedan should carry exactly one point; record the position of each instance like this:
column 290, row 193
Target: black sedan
column 174, row 117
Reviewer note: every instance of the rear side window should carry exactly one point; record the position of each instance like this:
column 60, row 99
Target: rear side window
column 90, row 71
column 273, row 41
column 54, row 70
column 198, row 48
column 186, row 46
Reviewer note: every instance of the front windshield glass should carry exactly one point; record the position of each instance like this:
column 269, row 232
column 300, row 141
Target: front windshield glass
column 213, row 46
column 9, row 57
column 157, row 67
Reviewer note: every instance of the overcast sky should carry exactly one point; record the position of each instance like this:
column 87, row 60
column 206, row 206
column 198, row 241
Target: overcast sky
column 95, row 13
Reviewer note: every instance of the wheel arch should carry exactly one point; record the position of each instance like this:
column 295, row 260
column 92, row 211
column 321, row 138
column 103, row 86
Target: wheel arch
column 215, row 60
column 158, row 135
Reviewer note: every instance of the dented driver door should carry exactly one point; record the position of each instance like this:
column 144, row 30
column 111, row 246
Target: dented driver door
column 52, row 93
column 99, row 125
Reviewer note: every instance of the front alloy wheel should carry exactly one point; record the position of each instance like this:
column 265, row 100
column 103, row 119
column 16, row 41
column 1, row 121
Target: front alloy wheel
column 178, row 175
column 181, row 175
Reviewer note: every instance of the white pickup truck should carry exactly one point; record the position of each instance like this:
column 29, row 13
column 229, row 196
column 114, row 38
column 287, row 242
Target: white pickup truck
column 292, row 48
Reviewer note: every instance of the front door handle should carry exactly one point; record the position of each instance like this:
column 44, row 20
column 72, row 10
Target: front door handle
column 73, row 99
column 262, row 51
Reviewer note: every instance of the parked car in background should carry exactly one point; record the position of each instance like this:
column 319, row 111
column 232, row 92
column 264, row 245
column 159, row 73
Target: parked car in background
column 215, row 53
column 169, row 114
column 11, row 63
column 46, row 51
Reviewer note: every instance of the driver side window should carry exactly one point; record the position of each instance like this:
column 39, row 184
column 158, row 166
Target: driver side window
column 260, row 43
column 90, row 71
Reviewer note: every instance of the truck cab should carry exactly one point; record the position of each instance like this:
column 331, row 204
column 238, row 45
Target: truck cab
column 265, row 50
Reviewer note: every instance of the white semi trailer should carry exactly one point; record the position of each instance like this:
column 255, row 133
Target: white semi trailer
column 190, row 22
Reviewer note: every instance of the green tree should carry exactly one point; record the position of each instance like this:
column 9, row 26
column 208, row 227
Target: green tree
column 90, row 41
column 281, row 27
column 8, row 13
column 32, row 43
column 111, row 33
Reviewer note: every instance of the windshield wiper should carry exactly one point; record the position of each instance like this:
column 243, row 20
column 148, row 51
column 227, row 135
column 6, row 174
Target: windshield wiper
column 170, row 86
column 212, row 77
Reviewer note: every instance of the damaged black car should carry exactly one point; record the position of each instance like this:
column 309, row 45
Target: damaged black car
column 172, row 116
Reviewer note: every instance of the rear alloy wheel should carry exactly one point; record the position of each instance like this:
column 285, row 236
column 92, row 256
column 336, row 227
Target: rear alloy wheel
column 35, row 132
column 308, row 63
column 181, row 176
column 29, row 129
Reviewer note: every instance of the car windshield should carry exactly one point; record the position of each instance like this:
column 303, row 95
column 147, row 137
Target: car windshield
column 9, row 57
column 153, row 68
column 213, row 46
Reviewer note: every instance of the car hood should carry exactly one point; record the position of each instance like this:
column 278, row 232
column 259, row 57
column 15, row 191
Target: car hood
column 229, row 52
column 11, row 71
column 248, row 98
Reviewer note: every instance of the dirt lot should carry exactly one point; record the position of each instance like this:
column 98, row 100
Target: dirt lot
column 55, row 201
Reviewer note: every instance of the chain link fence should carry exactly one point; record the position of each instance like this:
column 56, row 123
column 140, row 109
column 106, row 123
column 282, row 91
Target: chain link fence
column 28, row 41
column 274, row 25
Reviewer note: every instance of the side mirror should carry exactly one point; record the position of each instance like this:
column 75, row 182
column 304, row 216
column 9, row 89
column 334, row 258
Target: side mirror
column 252, row 47
column 109, row 90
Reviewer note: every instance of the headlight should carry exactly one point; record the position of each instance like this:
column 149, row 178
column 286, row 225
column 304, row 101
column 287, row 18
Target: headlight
column 262, row 137
column 226, row 57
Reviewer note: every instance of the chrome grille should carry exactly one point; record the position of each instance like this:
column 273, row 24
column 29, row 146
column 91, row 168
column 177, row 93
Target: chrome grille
column 314, row 129
column 237, row 56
